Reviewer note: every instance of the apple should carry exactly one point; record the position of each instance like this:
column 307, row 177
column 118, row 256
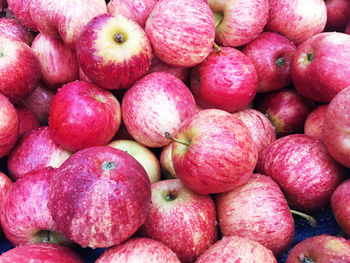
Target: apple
column 139, row 250
column 336, row 127
column 338, row 14
column 347, row 29
column 157, row 103
column 5, row 185
column 225, row 80
column 320, row 69
column 181, row 219
column 113, row 51
column 27, row 120
column 340, row 204
column 166, row 162
column 257, row 211
column 239, row 22
column 272, row 55
column 313, row 125
column 304, row 170
column 136, row 10
column 181, row 32
column 142, row 154
column 40, row 253
column 286, row 109
column 83, row 77
column 66, row 18
column 297, row 20
column 261, row 129
column 237, row 249
column 9, row 126
column 83, row 115
column 19, row 69
column 58, row 61
column 13, row 28
column 320, row 248
column 35, row 150
column 99, row 196
column 20, row 9
column 213, row 152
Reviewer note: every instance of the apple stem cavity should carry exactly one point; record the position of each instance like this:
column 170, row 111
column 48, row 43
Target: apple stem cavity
column 169, row 137
column 312, row 221
column 119, row 38
column 170, row 196
column 310, row 56
column 216, row 46
column 108, row 166
column 303, row 259
column 280, row 62
column 1, row 53
column 217, row 18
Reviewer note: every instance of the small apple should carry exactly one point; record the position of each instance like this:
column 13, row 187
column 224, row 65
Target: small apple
column 12, row 28
column 20, row 9
column 338, row 14
column 27, row 120
column 313, row 125
column 340, row 204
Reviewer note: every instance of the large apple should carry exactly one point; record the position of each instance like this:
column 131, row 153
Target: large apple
column 313, row 125
column 83, row 115
column 181, row 32
column 20, row 8
column 272, row 56
column 181, row 219
column 99, row 196
column 297, row 20
column 320, row 67
column 156, row 104
column 225, row 80
column 239, row 22
column 338, row 14
column 12, row 28
column 213, row 152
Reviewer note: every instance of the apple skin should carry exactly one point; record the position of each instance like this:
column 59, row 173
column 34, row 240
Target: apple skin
column 142, row 250
column 136, row 10
column 9, row 126
column 66, row 18
column 166, row 162
column 99, row 196
column 19, row 69
column 142, row 154
column 336, row 127
column 181, row 32
column 313, row 125
column 24, row 212
column 286, row 109
column 35, row 150
column 40, row 253
column 338, row 15
column 181, row 219
column 347, row 29
column 297, row 20
column 13, row 28
column 27, row 120
column 83, row 115
column 257, row 211
column 340, row 204
column 261, row 129
column 221, row 154
column 243, row 20
column 58, row 61
column 321, row 249
column 156, row 104
column 272, row 56
column 237, row 249
column 112, row 63
column 304, row 170
column 5, row 185
column 225, row 80
column 20, row 8
column 324, row 57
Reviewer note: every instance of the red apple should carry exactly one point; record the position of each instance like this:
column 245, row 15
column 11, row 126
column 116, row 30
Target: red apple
column 320, row 67
column 58, row 61
column 304, row 170
column 136, row 10
column 139, row 250
column 225, row 80
column 340, row 204
column 9, row 126
column 5, row 185
column 83, row 77
column 271, row 55
column 83, row 115
column 19, row 69
column 99, row 196
column 313, row 125
column 237, row 249
column 35, row 150
column 239, row 22
column 12, row 28
column 181, row 219
column 181, row 32
column 297, row 20
column 257, row 211
column 338, row 14
column 286, row 109
column 27, row 120
column 347, row 29
column 40, row 253
column 20, row 8
column 321, row 249
column 216, row 153
column 336, row 127
column 156, row 104
column 166, row 162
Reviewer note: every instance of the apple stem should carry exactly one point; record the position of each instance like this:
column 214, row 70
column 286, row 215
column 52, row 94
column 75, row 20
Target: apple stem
column 312, row 221
column 107, row 166
column 280, row 62
column 310, row 56
column 216, row 46
column 169, row 137
column 119, row 37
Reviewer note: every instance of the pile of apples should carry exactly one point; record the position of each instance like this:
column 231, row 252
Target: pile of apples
column 173, row 130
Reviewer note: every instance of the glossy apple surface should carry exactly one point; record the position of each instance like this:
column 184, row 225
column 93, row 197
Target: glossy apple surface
column 338, row 15
column 340, row 204
column 20, row 8
column 313, row 125
column 13, row 28
column 5, row 185
column 27, row 120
